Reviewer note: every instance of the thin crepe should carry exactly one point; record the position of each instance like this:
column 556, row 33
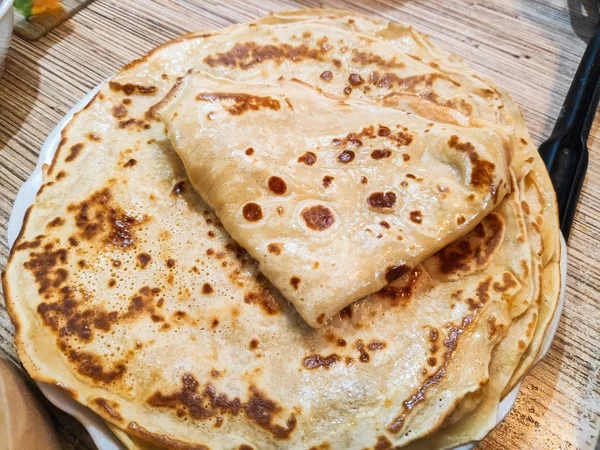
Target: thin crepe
column 326, row 187
column 151, row 319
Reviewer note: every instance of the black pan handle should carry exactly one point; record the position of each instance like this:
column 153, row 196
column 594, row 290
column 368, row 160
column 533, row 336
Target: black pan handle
column 565, row 153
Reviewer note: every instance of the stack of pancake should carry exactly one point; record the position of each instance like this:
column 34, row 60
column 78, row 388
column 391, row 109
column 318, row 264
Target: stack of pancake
column 316, row 230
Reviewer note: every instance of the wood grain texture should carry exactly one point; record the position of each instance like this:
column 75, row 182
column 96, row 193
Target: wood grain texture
column 530, row 47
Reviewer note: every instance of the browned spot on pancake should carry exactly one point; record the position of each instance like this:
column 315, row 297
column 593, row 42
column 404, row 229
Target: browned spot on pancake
column 327, row 180
column 460, row 220
column 44, row 266
column 275, row 248
column 245, row 447
column 529, row 160
column 127, row 101
column 170, row 263
column 355, row 79
column 207, row 288
column 295, row 282
column 383, row 131
column 198, row 406
column 482, row 174
column 473, row 250
column 73, row 242
column 364, row 356
column 383, row 443
column 317, row 361
column 249, row 151
column 144, row 259
column 214, row 323
column 384, row 224
column 432, row 361
column 525, row 207
column 451, row 342
column 309, row 158
column 433, row 335
column 346, row 313
column 252, row 212
column 160, row 440
column 142, row 302
column 364, row 58
column 248, row 54
column 119, row 111
column 382, row 199
column 112, row 282
column 394, row 272
column 60, row 175
column 74, row 152
column 211, row 234
column 253, row 344
column 416, row 216
column 523, row 141
column 90, row 365
column 108, row 407
column 264, row 299
column 56, row 222
column 492, row 327
column 318, row 217
column 289, row 103
column 346, row 156
column 421, row 86
column 262, row 410
column 399, row 295
column 402, row 139
column 336, row 62
column 129, row 88
column 130, row 122
column 97, row 215
column 509, row 281
column 277, row 186
column 347, row 90
column 376, row 345
column 178, row 188
column 363, row 180
column 522, row 345
column 381, row 153
column 321, row 319
column 241, row 102
column 93, row 137
column 326, row 75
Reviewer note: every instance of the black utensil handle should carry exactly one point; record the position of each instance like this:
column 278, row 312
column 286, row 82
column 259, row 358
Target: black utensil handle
column 565, row 152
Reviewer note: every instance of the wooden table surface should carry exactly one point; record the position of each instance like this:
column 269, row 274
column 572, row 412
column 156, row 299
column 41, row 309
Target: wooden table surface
column 530, row 47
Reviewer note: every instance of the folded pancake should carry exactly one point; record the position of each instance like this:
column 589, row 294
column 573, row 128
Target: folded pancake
column 334, row 198
column 126, row 292
column 527, row 332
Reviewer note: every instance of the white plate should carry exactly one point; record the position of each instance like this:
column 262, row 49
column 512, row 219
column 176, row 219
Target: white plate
column 99, row 431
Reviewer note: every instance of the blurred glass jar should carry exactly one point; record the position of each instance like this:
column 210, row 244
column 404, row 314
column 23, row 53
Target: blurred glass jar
column 6, row 28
